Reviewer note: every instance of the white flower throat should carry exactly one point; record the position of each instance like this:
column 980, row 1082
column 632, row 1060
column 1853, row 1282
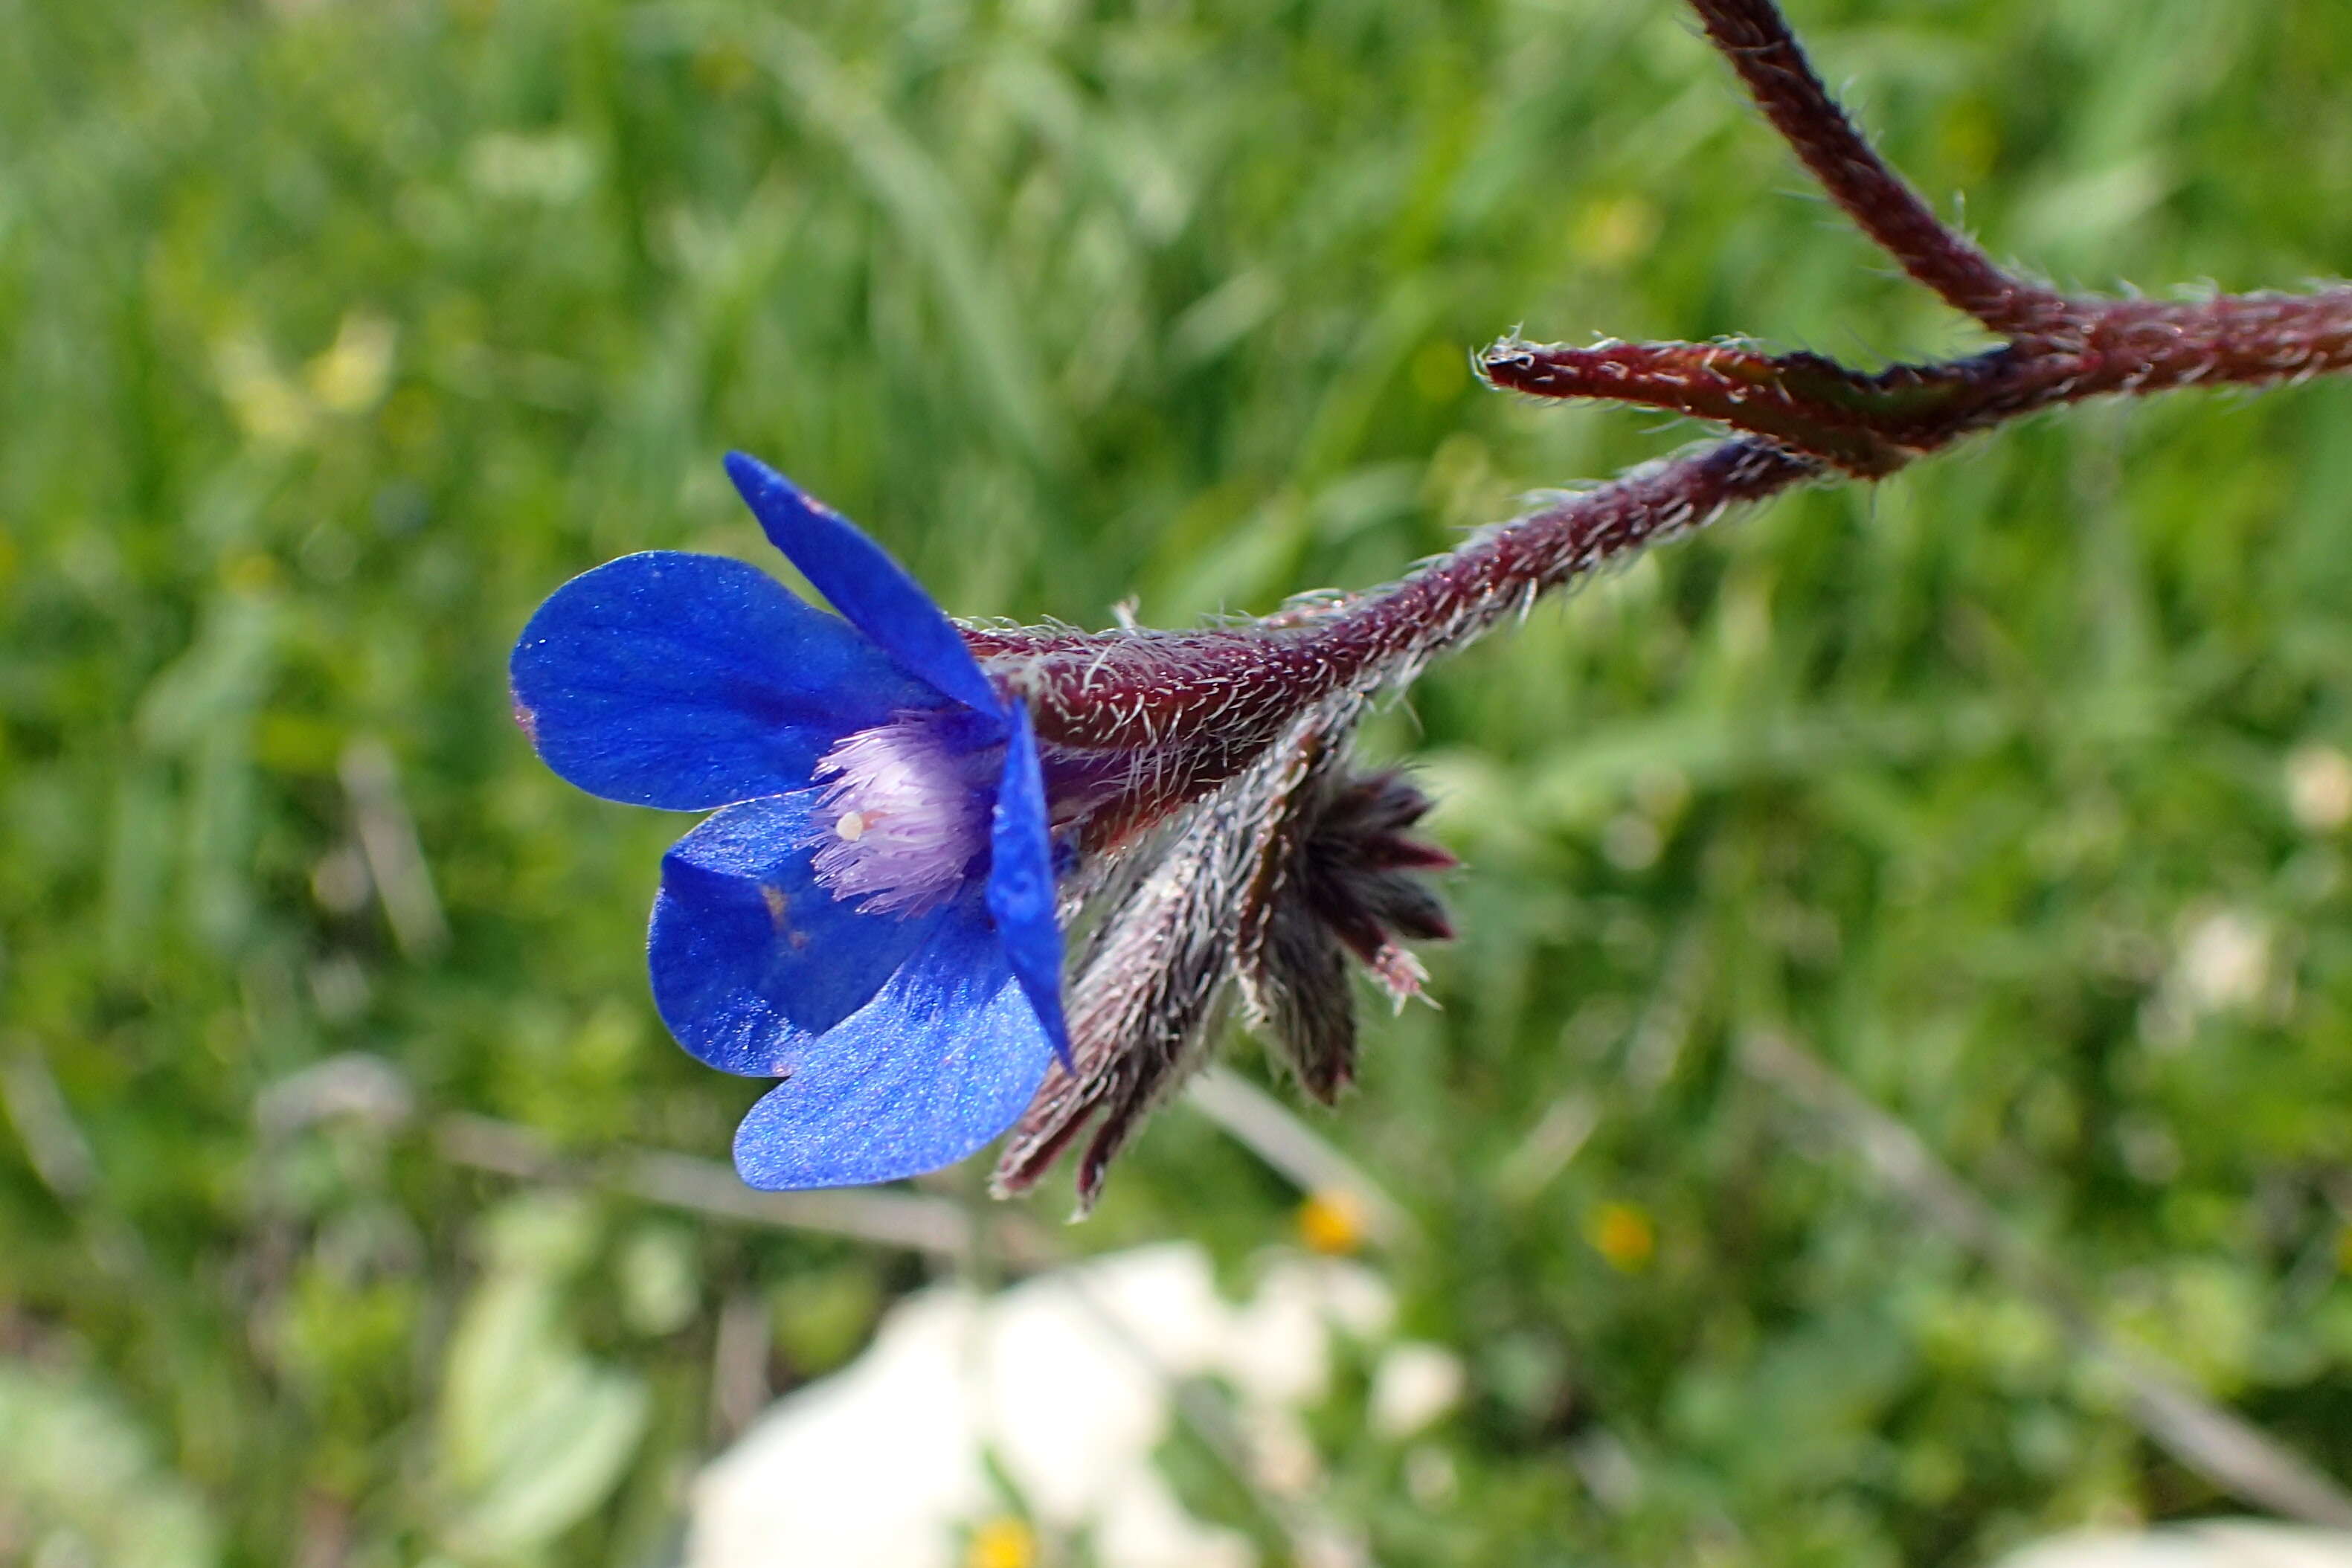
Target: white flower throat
column 904, row 815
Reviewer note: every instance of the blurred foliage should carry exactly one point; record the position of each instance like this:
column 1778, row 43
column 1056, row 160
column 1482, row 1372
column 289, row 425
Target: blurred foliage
column 333, row 336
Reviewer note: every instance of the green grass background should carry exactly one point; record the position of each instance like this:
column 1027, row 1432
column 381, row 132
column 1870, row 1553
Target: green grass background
column 335, row 335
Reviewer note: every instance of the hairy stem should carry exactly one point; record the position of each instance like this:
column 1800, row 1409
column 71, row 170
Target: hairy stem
column 1803, row 402
column 1755, row 38
column 1870, row 424
column 1120, row 689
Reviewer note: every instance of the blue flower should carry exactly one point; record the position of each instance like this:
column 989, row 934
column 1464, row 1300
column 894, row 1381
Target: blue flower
column 869, row 913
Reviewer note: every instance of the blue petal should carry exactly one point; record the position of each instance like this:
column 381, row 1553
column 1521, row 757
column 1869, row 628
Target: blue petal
column 941, row 1061
column 1021, row 883
column 751, row 958
column 688, row 681
column 863, row 583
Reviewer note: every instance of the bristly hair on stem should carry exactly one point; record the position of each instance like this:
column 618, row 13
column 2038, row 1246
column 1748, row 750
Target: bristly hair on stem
column 1195, row 775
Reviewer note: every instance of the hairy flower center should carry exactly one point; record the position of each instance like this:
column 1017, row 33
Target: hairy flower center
column 903, row 815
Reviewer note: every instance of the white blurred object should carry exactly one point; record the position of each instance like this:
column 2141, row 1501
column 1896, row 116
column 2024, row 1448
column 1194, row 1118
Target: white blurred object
column 2319, row 787
column 1414, row 1384
column 1064, row 1381
column 2211, row 1543
column 2225, row 963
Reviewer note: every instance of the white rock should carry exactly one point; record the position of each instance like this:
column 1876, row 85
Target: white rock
column 2211, row 1543
column 1062, row 1380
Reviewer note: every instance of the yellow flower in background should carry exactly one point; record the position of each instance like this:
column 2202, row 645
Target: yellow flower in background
column 1332, row 1222
column 1004, row 1542
column 1623, row 1234
column 349, row 377
column 352, row 376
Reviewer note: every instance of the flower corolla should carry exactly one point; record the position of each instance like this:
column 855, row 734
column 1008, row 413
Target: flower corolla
column 868, row 913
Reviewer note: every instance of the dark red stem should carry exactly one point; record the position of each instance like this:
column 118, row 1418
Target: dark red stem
column 1869, row 425
column 1234, row 688
column 1800, row 401
column 1755, row 38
